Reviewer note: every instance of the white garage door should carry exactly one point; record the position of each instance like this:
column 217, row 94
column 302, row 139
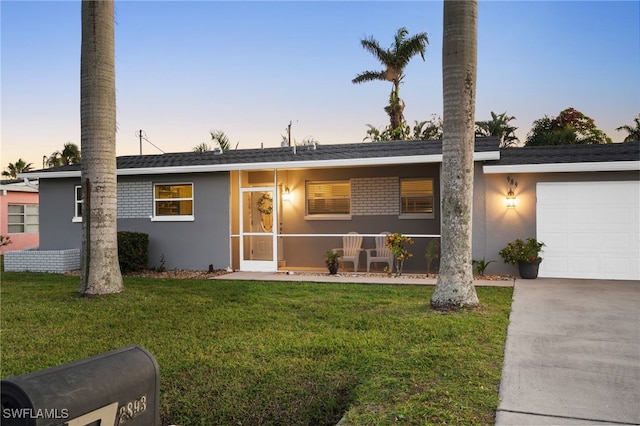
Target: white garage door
column 591, row 229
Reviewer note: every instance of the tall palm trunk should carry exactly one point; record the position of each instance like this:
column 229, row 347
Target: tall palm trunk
column 454, row 287
column 100, row 268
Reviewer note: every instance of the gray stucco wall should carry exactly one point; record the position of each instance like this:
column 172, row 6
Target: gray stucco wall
column 185, row 245
column 57, row 204
column 503, row 224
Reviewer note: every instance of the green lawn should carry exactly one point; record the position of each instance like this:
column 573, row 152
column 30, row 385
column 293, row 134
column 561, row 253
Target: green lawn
column 259, row 353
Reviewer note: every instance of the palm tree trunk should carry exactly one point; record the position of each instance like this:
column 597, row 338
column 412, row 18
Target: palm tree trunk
column 100, row 268
column 454, row 287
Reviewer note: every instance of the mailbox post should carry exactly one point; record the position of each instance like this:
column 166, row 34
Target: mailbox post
column 121, row 387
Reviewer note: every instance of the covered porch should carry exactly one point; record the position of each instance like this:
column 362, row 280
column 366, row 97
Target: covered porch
column 287, row 218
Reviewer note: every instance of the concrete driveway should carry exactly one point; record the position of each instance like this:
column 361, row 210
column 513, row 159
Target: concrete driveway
column 572, row 355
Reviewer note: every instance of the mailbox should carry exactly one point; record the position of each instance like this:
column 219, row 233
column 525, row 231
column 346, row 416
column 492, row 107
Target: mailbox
column 121, row 387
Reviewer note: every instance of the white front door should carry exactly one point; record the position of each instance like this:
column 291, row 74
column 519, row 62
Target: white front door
column 258, row 223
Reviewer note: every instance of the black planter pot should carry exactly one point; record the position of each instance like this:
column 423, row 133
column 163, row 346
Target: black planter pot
column 333, row 269
column 529, row 270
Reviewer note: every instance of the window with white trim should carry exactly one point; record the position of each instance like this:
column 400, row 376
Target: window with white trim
column 328, row 198
column 22, row 218
column 77, row 212
column 416, row 197
column 173, row 201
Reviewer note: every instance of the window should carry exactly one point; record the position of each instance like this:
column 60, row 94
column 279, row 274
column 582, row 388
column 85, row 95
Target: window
column 328, row 198
column 173, row 201
column 416, row 197
column 77, row 215
column 22, row 218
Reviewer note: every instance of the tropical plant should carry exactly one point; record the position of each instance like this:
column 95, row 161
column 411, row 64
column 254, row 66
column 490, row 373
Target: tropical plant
column 454, row 286
column 481, row 265
column 394, row 59
column 70, row 154
column 221, row 138
column 398, row 243
column 331, row 260
column 422, row 130
column 203, row 147
column 100, row 273
column 428, row 129
column 432, row 254
column 14, row 169
column 498, row 126
column 387, row 133
column 569, row 127
column 633, row 131
column 520, row 251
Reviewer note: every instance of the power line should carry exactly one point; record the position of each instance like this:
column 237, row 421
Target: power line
column 143, row 136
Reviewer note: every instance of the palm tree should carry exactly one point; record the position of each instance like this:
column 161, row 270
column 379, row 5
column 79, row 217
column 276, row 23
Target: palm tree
column 222, row 139
column 634, row 132
column 70, row 154
column 203, row 147
column 498, row 126
column 394, row 59
column 454, row 287
column 100, row 269
column 428, row 129
column 14, row 169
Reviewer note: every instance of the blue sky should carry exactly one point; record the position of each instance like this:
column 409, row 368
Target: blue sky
column 249, row 68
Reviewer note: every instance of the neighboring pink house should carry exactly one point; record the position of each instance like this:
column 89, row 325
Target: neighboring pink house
column 19, row 215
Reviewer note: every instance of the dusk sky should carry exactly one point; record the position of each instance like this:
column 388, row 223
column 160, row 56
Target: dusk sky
column 249, row 68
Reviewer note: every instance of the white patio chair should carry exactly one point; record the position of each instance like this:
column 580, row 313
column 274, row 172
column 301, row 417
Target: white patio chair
column 351, row 248
column 380, row 254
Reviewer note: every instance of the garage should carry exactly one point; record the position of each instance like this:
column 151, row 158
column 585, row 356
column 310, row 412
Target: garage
column 591, row 229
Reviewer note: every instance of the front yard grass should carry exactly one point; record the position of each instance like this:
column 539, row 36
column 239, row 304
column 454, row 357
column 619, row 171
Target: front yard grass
column 272, row 353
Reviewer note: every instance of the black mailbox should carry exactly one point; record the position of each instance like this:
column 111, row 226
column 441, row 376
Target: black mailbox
column 121, row 387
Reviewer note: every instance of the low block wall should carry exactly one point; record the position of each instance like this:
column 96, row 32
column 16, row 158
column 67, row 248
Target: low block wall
column 58, row 261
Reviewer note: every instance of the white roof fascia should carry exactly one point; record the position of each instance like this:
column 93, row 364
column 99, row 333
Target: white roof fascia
column 605, row 166
column 302, row 164
column 306, row 164
column 36, row 175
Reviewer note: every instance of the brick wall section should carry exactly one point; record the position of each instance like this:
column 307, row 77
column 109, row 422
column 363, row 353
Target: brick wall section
column 58, row 261
column 135, row 200
column 375, row 196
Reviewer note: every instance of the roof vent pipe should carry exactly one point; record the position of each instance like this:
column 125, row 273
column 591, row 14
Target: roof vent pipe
column 294, row 150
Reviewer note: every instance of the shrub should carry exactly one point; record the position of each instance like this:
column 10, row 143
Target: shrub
column 522, row 251
column 133, row 251
column 397, row 242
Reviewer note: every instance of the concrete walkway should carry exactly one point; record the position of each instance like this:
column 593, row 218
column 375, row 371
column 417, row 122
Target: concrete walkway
column 353, row 278
column 572, row 355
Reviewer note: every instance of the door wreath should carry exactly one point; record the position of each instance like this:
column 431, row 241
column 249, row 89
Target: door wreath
column 265, row 207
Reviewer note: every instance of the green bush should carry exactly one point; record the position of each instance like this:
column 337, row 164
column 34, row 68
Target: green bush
column 133, row 251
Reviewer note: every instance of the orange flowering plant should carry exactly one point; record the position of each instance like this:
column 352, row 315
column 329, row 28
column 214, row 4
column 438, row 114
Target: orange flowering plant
column 397, row 243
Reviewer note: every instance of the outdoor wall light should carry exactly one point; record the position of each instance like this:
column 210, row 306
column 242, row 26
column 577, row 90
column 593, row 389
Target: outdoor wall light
column 287, row 195
column 511, row 199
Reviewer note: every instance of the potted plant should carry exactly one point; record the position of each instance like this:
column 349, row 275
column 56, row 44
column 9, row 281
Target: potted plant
column 525, row 254
column 331, row 259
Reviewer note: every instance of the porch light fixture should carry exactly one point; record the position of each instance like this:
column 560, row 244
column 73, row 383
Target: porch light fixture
column 287, row 195
column 511, row 200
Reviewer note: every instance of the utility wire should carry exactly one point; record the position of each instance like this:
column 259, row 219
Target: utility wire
column 143, row 136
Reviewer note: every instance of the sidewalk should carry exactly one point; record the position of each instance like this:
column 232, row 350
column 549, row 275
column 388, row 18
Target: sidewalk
column 572, row 355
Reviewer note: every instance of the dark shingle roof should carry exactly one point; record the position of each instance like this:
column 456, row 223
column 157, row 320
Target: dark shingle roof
column 557, row 154
column 306, row 153
column 384, row 151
